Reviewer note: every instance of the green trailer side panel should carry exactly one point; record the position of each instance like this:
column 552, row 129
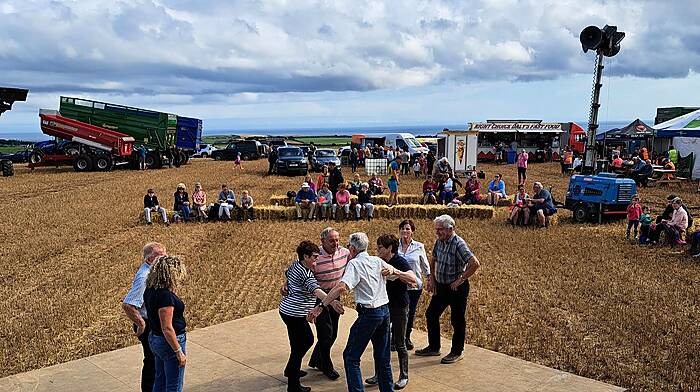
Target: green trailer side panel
column 154, row 129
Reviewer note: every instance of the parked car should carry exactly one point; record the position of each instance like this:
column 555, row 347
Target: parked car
column 277, row 143
column 291, row 160
column 204, row 151
column 247, row 148
column 323, row 156
column 344, row 154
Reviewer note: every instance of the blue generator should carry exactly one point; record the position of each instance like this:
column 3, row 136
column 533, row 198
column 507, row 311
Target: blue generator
column 592, row 197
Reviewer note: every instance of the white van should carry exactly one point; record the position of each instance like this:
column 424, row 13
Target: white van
column 404, row 141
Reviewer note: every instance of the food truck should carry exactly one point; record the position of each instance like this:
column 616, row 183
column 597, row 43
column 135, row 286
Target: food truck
column 533, row 136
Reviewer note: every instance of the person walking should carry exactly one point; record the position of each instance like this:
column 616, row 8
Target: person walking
column 396, row 288
column 522, row 167
column 271, row 160
column 452, row 263
column 135, row 310
column 414, row 252
column 366, row 276
column 302, row 289
column 166, row 313
column 354, row 158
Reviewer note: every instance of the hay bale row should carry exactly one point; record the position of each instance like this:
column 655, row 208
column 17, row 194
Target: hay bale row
column 402, row 211
column 378, row 200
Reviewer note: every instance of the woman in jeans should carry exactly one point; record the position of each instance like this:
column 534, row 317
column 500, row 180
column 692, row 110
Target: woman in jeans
column 301, row 293
column 165, row 312
column 414, row 252
column 182, row 202
column 396, row 289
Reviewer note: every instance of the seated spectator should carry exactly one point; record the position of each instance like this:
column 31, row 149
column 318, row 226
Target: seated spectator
column 342, row 201
column 182, row 202
column 520, row 212
column 364, row 202
column 447, row 191
column 325, row 202
column 694, row 241
column 376, row 185
column 472, row 190
column 541, row 204
column 227, row 203
column 645, row 172
column 306, row 198
column 150, row 204
column 673, row 227
column 669, row 165
column 199, row 202
column 617, row 162
column 246, row 210
column 496, row 190
column 356, row 184
column 429, row 190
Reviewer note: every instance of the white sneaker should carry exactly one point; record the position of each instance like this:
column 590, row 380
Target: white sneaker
column 696, row 255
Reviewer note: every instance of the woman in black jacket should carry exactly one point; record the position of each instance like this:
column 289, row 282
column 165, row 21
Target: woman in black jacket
column 182, row 202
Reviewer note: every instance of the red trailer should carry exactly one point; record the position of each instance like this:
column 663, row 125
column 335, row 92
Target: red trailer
column 89, row 147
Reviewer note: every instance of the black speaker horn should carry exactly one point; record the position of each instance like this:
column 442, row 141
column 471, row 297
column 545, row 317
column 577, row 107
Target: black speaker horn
column 591, row 37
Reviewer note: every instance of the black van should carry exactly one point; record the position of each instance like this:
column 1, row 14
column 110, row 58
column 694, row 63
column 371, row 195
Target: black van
column 247, row 148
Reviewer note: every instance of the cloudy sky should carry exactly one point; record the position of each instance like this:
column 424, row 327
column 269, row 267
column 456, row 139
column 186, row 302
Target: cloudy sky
column 257, row 64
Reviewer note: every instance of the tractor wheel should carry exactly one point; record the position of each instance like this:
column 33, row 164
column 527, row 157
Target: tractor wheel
column 104, row 163
column 153, row 160
column 581, row 213
column 7, row 169
column 72, row 149
column 82, row 163
column 37, row 156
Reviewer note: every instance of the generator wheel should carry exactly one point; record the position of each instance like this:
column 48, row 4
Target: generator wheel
column 8, row 169
column 82, row 163
column 580, row 213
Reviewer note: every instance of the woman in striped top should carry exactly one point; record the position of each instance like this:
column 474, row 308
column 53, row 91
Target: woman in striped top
column 302, row 291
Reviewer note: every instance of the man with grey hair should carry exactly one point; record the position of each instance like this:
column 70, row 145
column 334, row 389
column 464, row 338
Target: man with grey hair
column 452, row 263
column 135, row 310
column 366, row 275
column 541, row 204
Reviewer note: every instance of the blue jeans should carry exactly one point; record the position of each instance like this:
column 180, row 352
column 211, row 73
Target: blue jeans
column 371, row 325
column 186, row 211
column 169, row 375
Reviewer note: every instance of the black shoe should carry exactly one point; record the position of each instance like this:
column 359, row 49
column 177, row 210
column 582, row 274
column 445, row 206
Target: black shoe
column 298, row 388
column 149, row 223
column 372, row 380
column 451, row 358
column 332, row 374
column 427, row 352
column 393, row 347
column 409, row 344
column 303, row 373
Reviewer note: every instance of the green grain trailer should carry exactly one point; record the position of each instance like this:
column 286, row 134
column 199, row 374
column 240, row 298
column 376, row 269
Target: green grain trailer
column 153, row 129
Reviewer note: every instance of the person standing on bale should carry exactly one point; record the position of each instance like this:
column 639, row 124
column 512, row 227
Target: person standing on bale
column 135, row 310
column 452, row 264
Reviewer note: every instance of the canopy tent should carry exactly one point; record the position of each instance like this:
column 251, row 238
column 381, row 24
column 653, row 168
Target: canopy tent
column 636, row 130
column 687, row 125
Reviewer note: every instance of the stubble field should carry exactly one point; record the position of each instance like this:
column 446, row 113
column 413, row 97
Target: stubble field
column 573, row 297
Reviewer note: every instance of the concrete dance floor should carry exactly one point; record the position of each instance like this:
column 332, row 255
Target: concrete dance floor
column 249, row 354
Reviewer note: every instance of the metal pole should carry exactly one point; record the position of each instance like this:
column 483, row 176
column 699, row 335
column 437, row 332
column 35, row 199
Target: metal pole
column 589, row 164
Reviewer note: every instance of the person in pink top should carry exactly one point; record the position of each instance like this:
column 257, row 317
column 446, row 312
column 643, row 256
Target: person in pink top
column 342, row 201
column 634, row 212
column 522, row 167
column 199, row 202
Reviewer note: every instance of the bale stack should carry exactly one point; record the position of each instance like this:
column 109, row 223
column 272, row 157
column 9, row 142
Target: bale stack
column 405, row 211
column 377, row 200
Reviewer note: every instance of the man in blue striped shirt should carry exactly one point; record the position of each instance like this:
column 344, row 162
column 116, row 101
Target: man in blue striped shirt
column 136, row 311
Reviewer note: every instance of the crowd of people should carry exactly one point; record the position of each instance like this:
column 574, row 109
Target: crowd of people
column 386, row 287
column 673, row 223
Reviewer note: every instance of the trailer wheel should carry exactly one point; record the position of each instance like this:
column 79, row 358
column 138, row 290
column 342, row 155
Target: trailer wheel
column 580, row 213
column 104, row 163
column 184, row 158
column 7, row 169
column 153, row 160
column 177, row 159
column 82, row 163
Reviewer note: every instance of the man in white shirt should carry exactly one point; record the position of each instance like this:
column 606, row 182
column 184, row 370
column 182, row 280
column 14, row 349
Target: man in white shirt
column 136, row 311
column 366, row 275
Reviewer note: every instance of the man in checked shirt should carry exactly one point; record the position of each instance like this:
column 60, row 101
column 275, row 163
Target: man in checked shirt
column 453, row 263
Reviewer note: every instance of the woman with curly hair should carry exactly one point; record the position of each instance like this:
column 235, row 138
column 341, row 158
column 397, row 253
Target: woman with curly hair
column 165, row 312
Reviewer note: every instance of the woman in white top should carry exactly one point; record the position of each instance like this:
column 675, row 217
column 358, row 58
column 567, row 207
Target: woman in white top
column 414, row 252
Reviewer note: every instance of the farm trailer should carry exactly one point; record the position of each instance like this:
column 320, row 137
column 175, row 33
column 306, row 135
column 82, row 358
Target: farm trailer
column 88, row 147
column 157, row 131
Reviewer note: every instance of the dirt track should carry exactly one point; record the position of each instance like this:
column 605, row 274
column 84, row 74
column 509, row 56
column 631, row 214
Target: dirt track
column 574, row 297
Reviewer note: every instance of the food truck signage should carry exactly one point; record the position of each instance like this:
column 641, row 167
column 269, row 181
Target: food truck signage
column 526, row 126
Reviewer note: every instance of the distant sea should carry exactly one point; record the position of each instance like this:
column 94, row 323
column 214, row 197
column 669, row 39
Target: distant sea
column 418, row 130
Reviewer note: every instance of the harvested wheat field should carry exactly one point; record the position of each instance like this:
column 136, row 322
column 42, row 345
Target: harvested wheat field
column 573, row 297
